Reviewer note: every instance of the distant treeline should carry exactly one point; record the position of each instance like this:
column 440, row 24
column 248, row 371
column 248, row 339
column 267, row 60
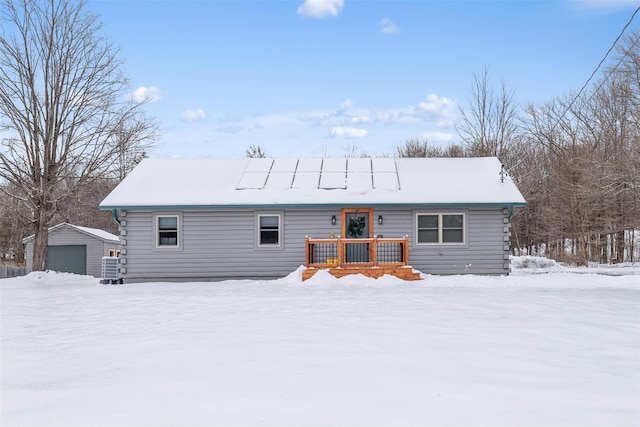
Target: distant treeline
column 576, row 159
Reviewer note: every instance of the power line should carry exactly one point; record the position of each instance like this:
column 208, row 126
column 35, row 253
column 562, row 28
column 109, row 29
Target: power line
column 608, row 52
column 582, row 89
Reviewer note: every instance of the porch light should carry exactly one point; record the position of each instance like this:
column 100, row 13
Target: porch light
column 333, row 220
column 380, row 219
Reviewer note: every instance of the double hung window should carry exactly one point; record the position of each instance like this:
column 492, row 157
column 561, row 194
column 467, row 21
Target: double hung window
column 440, row 228
column 167, row 231
column 269, row 230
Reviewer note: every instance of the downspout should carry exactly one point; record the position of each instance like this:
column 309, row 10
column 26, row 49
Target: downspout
column 517, row 246
column 115, row 217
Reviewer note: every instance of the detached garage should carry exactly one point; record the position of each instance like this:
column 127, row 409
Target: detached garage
column 75, row 249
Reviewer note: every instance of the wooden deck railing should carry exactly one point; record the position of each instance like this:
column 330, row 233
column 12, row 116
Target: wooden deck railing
column 356, row 253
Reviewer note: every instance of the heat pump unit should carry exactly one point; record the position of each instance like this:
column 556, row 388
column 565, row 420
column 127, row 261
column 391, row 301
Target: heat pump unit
column 110, row 270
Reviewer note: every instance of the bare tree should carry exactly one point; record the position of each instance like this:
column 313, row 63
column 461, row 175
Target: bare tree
column 62, row 106
column 132, row 141
column 581, row 177
column 490, row 125
column 415, row 148
column 255, row 152
column 612, row 129
column 353, row 151
column 14, row 226
column 82, row 207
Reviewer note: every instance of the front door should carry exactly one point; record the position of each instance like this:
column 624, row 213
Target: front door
column 357, row 223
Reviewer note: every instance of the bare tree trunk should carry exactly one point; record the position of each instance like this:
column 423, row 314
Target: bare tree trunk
column 619, row 254
column 518, row 248
column 583, row 250
column 40, row 245
column 41, row 226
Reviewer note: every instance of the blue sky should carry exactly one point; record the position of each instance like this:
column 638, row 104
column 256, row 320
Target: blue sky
column 320, row 78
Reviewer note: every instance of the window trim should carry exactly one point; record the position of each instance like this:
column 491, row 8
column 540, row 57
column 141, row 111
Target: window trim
column 259, row 243
column 157, row 218
column 440, row 241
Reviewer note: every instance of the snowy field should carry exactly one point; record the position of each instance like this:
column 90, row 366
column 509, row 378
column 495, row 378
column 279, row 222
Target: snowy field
column 544, row 346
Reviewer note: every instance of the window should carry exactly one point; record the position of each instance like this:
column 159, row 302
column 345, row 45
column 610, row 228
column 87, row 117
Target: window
column 428, row 229
column 452, row 229
column 167, row 231
column 114, row 252
column 269, row 233
column 440, row 228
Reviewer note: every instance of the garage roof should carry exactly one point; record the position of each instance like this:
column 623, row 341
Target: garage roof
column 94, row 232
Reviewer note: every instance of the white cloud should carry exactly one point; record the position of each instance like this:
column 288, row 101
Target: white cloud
column 148, row 94
column 320, row 9
column 446, row 123
column 385, row 116
column 435, row 107
column 434, row 136
column 346, row 132
column 348, row 114
column 437, row 110
column 387, row 26
column 360, row 119
column 190, row 116
column 436, row 103
column 346, row 104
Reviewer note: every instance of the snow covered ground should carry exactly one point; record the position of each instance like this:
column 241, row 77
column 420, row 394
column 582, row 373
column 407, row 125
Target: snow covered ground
column 547, row 345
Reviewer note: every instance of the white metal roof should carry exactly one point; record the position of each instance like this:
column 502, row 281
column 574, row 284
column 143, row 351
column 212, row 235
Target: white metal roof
column 303, row 182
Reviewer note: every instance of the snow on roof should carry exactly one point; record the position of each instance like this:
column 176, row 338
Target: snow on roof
column 101, row 234
column 302, row 182
column 95, row 232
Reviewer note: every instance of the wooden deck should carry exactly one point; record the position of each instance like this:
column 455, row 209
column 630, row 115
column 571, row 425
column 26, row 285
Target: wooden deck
column 404, row 273
column 372, row 257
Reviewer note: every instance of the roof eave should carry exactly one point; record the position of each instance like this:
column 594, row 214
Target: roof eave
column 319, row 205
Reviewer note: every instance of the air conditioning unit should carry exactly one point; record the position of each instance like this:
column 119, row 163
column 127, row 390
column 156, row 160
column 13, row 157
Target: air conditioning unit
column 110, row 270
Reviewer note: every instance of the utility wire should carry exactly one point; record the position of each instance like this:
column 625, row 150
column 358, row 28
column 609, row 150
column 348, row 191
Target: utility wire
column 553, row 146
column 608, row 52
column 582, row 89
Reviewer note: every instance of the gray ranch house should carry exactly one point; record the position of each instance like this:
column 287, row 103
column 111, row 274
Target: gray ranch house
column 75, row 249
column 217, row 219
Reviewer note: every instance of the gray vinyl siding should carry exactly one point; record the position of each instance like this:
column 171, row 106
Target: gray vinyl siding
column 67, row 236
column 218, row 244
column 482, row 253
column 486, row 248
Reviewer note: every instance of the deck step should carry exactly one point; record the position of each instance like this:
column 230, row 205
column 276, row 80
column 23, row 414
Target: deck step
column 404, row 273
